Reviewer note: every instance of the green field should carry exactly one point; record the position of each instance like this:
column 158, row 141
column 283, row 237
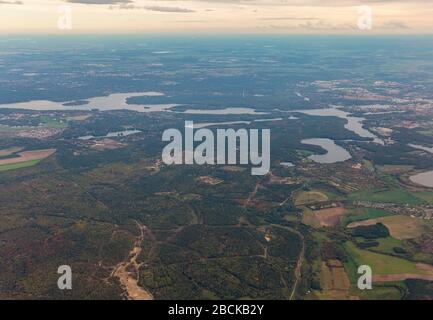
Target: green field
column 387, row 245
column 360, row 214
column 381, row 195
column 53, row 123
column 426, row 196
column 310, row 197
column 380, row 291
column 394, row 168
column 380, row 263
column 19, row 165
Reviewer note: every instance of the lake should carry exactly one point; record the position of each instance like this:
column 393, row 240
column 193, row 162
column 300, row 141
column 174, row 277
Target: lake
column 112, row 135
column 354, row 124
column 226, row 111
column 115, row 101
column 334, row 154
column 118, row 101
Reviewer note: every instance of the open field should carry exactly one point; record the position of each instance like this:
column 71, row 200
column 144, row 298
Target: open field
column 391, row 195
column 428, row 269
column 28, row 156
column 79, row 118
column 310, row 197
column 309, row 218
column 401, row 227
column 381, row 291
column 394, row 168
column 9, row 151
column 334, row 281
column 330, row 217
column 387, row 245
column 53, row 123
column 361, row 214
column 26, row 159
column 426, row 196
column 19, row 165
column 388, row 268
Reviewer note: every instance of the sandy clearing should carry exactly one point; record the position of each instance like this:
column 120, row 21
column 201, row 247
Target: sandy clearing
column 29, row 156
column 129, row 280
column 330, row 217
column 209, row 180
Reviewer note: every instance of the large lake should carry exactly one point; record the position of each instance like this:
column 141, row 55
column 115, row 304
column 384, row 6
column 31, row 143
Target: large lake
column 354, row 124
column 118, row 101
column 334, row 154
column 248, row 111
column 200, row 125
column 115, row 101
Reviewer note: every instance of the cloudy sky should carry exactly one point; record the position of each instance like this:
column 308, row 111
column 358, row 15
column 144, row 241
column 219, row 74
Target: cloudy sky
column 217, row 16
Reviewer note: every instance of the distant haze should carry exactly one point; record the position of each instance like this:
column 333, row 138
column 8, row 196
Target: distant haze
column 217, row 16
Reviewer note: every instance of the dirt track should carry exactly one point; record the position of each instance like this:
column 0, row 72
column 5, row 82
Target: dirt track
column 129, row 280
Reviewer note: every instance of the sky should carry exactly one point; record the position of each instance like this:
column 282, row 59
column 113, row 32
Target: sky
column 217, row 16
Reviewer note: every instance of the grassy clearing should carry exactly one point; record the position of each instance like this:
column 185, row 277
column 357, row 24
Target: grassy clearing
column 53, row 123
column 20, row 165
column 334, row 281
column 361, row 214
column 387, row 245
column 425, row 196
column 381, row 264
column 309, row 218
column 381, row 292
column 394, row 168
column 367, row 164
column 381, row 195
column 310, row 197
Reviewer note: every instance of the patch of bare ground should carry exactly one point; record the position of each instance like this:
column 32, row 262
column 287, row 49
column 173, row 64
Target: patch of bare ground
column 280, row 180
column 128, row 272
column 209, row 180
column 106, row 144
column 233, row 169
column 29, row 156
column 156, row 166
column 330, row 217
